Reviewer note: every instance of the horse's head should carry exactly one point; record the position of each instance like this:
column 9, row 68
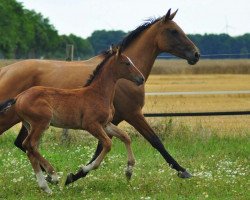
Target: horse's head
column 125, row 68
column 172, row 39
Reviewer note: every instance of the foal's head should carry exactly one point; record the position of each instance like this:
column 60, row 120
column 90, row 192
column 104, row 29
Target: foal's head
column 120, row 65
column 171, row 38
column 125, row 68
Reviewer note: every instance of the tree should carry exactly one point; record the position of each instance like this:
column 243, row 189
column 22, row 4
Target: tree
column 102, row 39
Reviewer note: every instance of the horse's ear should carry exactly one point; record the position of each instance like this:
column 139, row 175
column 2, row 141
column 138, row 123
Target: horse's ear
column 166, row 17
column 173, row 14
column 169, row 16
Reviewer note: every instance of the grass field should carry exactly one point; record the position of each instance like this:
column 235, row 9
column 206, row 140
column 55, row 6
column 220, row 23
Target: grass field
column 220, row 166
column 214, row 149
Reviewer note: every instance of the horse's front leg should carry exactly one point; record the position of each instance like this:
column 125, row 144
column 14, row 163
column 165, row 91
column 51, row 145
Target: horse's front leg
column 139, row 122
column 97, row 131
column 112, row 130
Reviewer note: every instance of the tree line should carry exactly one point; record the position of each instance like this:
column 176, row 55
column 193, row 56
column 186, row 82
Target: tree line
column 27, row 34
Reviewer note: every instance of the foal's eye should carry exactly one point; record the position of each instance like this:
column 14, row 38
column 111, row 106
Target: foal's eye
column 127, row 63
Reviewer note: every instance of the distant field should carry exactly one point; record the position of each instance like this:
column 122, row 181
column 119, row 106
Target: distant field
column 204, row 66
column 6, row 62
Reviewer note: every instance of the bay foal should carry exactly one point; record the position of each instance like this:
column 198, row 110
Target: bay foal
column 89, row 108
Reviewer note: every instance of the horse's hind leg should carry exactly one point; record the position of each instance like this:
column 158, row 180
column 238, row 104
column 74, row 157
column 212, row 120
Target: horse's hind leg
column 111, row 129
column 7, row 120
column 23, row 133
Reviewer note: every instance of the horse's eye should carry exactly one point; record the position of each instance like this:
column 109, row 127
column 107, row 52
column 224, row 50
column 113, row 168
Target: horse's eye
column 174, row 32
column 127, row 63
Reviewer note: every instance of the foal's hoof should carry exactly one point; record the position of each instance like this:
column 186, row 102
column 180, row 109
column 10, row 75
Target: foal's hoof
column 48, row 179
column 53, row 180
column 128, row 175
column 184, row 174
column 69, row 179
column 129, row 172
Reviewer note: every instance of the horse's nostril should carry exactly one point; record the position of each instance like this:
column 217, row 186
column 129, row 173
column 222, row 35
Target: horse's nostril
column 197, row 55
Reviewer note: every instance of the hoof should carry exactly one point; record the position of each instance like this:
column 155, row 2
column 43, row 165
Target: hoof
column 128, row 175
column 184, row 174
column 48, row 179
column 129, row 172
column 69, row 179
column 53, row 180
column 46, row 188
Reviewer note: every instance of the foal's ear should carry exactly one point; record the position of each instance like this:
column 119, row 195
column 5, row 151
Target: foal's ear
column 169, row 16
column 118, row 52
column 111, row 48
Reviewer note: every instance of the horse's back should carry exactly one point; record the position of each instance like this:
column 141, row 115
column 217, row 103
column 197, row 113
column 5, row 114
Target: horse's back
column 22, row 75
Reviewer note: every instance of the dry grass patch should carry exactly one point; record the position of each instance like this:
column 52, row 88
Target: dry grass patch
column 204, row 66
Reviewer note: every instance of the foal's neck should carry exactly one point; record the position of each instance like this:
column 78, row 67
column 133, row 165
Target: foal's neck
column 104, row 83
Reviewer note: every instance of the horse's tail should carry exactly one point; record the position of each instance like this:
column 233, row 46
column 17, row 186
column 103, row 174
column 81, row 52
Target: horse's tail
column 4, row 106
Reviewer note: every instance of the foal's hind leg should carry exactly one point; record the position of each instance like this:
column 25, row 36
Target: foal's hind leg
column 97, row 131
column 111, row 129
column 31, row 144
column 36, row 165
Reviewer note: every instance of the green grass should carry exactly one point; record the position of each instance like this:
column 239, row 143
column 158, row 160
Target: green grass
column 220, row 165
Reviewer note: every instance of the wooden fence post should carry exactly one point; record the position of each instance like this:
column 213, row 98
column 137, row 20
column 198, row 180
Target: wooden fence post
column 69, row 52
column 69, row 57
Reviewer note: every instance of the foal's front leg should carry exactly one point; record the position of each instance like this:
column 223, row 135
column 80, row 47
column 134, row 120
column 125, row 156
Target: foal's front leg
column 112, row 130
column 97, row 131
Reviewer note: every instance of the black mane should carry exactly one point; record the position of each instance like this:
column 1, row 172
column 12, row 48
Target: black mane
column 123, row 45
column 99, row 67
column 135, row 33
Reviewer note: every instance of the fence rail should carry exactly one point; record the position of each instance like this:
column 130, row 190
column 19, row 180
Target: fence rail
column 197, row 93
column 196, row 114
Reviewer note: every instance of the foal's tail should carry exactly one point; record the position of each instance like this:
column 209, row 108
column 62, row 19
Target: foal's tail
column 4, row 106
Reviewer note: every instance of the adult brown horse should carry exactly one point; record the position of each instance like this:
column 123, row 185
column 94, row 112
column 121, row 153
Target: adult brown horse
column 142, row 45
column 88, row 108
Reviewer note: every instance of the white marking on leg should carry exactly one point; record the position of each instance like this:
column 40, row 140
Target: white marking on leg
column 88, row 167
column 129, row 169
column 55, row 178
column 42, row 182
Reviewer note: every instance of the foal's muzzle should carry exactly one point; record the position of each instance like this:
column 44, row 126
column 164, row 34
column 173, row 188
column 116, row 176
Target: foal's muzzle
column 139, row 80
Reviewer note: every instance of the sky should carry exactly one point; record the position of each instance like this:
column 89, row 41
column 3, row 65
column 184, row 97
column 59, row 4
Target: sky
column 82, row 17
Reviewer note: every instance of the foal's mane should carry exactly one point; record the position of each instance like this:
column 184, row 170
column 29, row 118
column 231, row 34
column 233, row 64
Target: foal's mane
column 99, row 67
column 135, row 33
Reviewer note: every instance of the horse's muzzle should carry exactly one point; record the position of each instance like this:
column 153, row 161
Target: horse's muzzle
column 194, row 58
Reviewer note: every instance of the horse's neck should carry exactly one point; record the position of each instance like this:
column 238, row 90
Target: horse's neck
column 143, row 51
